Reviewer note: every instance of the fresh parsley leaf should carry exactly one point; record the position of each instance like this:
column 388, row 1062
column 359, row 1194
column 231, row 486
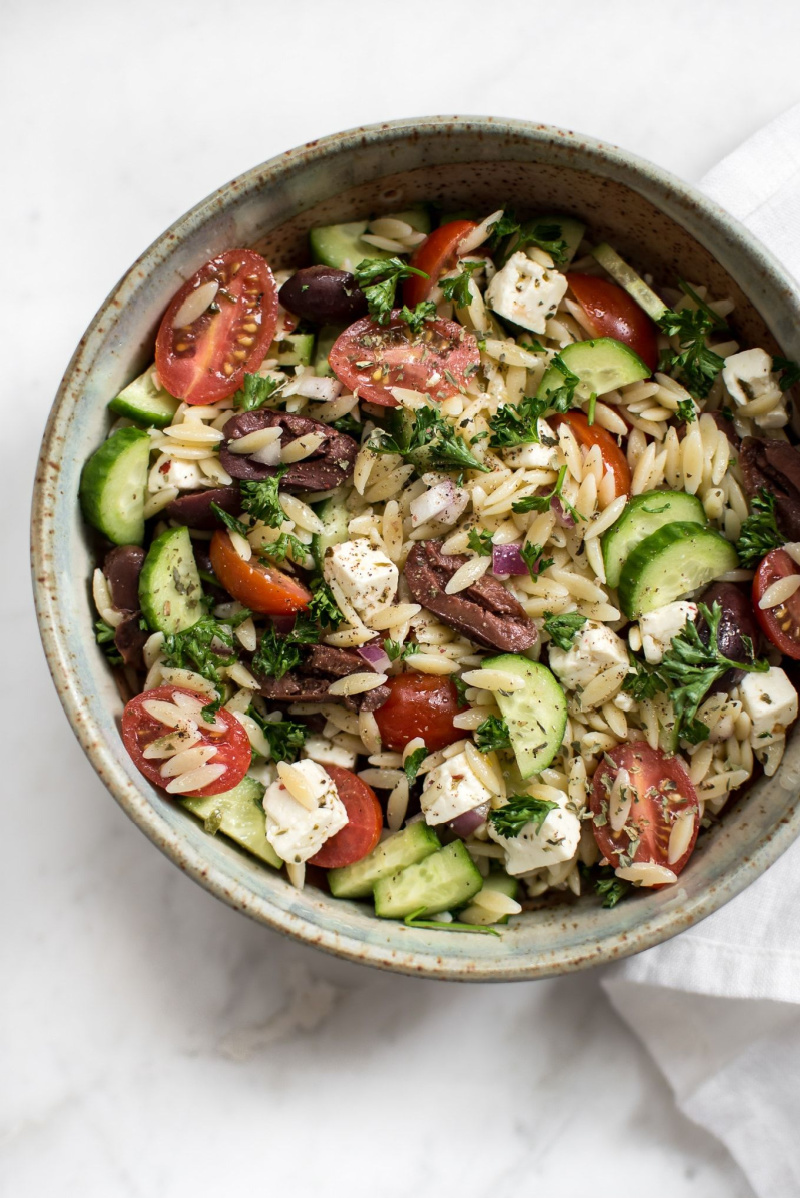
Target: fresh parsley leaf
column 541, row 503
column 254, row 392
column 461, row 690
column 413, row 921
column 285, row 545
column 492, row 735
column 532, row 557
column 456, row 289
column 511, row 818
column 518, row 424
column 378, row 279
column 285, row 737
column 518, row 235
column 790, row 371
column 610, row 887
column 204, row 646
column 230, row 522
column 563, row 629
column 413, row 762
column 444, row 449
column 323, row 608
column 416, row 317
column 641, row 681
column 348, row 424
column 481, row 541
column 396, row 651
column 104, row 635
column 759, row 532
column 694, row 363
column 686, row 411
column 563, row 398
column 262, row 500
column 276, row 655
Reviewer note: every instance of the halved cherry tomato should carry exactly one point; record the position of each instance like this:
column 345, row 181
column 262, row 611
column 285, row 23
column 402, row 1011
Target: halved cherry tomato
column 661, row 790
column 205, row 360
column 613, row 313
column 261, row 588
column 226, row 735
column 419, row 705
column 782, row 623
column 365, row 819
column 373, row 357
column 435, row 255
column 588, row 435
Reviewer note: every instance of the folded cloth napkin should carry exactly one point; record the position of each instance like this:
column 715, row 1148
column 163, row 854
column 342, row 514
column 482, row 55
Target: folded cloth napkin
column 718, row 1007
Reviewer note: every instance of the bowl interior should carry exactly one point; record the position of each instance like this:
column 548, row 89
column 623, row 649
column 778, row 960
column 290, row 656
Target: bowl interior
column 650, row 218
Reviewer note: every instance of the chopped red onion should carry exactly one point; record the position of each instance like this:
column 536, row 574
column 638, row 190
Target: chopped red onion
column 563, row 517
column 376, row 656
column 464, row 825
column 432, row 502
column 507, row 559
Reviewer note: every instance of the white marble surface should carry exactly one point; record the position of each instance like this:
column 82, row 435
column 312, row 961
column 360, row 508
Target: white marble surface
column 130, row 1063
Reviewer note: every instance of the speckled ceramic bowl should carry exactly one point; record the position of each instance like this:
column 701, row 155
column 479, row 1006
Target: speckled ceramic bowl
column 479, row 162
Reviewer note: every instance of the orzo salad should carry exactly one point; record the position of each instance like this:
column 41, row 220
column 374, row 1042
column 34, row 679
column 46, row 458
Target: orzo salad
column 456, row 570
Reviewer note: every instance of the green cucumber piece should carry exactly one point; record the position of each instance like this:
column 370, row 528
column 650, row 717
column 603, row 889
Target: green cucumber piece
column 341, row 245
column 326, row 337
column 644, row 515
column 239, row 815
column 296, row 349
column 627, row 277
column 572, row 231
column 601, row 365
column 113, row 486
column 445, row 879
column 678, row 558
column 169, row 585
column 146, row 404
column 536, row 714
column 335, row 518
column 407, row 847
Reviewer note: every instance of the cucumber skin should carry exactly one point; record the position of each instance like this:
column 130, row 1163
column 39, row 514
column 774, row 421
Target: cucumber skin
column 141, row 402
column 240, row 824
column 152, row 595
column 614, row 558
column 636, row 370
column 628, row 279
column 95, row 485
column 335, row 530
column 416, row 842
column 453, row 879
column 530, row 763
column 341, row 246
column 638, row 594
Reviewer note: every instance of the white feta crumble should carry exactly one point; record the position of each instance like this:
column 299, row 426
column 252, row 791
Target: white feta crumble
column 660, row 625
column 594, row 648
column 748, row 376
column 450, row 790
column 294, row 832
column 771, row 702
column 366, row 575
column 535, row 848
column 526, row 292
column 319, row 748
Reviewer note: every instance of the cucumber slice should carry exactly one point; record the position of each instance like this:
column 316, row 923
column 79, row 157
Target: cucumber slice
column 341, row 245
column 536, row 714
column 644, row 515
column 448, row 878
column 328, row 334
column 113, row 486
column 335, row 518
column 601, row 365
column 678, row 558
column 627, row 277
column 572, row 231
column 169, row 585
column 497, row 880
column 396, row 852
column 296, row 349
column 239, row 814
column 146, row 404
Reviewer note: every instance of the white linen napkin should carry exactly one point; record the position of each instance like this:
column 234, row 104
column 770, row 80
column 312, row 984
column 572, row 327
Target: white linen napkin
column 718, row 1007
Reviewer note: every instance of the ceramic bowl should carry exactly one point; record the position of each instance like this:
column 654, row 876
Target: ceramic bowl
column 477, row 162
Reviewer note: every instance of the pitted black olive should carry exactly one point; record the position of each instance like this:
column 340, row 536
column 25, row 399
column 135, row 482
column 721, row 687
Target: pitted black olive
column 323, row 294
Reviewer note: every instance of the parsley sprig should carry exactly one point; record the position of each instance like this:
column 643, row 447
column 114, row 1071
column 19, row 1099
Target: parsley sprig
column 416, row 317
column 254, row 392
column 285, row 737
column 694, row 363
column 456, row 288
column 759, row 532
column 480, row 541
column 204, row 647
column 563, row 629
column 492, row 735
column 520, row 234
column 413, row 762
column 444, row 449
column 520, row 810
column 378, row 279
column 261, row 499
column 531, row 554
column 518, row 424
column 541, row 503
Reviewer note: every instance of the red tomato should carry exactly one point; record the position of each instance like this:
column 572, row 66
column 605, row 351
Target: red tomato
column 363, row 831
column 419, row 705
column 662, row 792
column 782, row 623
column 435, row 255
column 140, row 728
column 261, row 588
column 588, row 435
column 613, row 313
column 372, row 358
column 205, row 360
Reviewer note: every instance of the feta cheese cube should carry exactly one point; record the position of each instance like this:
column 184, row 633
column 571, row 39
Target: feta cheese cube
column 660, row 625
column 366, row 575
column 536, row 848
column 594, row 648
column 319, row 748
column 294, row 832
column 526, row 292
column 771, row 702
column 450, row 790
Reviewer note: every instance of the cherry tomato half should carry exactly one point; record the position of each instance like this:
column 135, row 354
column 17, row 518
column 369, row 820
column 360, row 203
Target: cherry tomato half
column 588, row 435
column 362, row 832
column 661, row 792
column 226, row 735
column 782, row 623
column 613, row 313
column 419, row 705
column 261, row 588
column 372, row 358
column 435, row 255
column 205, row 359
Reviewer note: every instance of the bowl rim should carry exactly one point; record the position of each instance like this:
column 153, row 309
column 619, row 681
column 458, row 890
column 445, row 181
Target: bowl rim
column 658, row 927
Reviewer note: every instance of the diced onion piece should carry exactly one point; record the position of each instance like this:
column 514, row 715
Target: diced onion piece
column 431, row 502
column 376, row 656
column 507, row 559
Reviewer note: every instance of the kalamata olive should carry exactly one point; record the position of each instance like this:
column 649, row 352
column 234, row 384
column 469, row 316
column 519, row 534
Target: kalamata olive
column 129, row 640
column 774, row 465
column 122, row 567
column 737, row 623
column 323, row 294
column 194, row 509
column 327, row 467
